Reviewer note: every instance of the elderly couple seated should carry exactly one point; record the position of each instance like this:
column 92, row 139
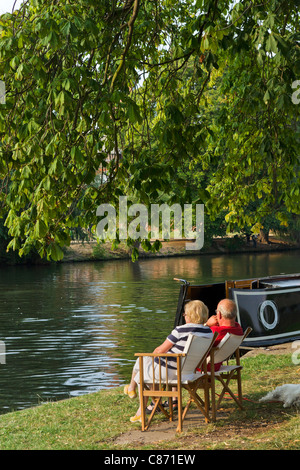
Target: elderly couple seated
column 172, row 364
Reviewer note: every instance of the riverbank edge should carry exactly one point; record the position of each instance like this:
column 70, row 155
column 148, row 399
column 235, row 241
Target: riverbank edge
column 94, row 251
column 95, row 421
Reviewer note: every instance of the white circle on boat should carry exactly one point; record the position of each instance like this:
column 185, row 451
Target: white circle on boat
column 266, row 324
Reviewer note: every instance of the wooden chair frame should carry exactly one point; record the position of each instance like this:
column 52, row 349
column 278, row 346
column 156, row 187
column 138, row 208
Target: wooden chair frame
column 159, row 388
column 227, row 373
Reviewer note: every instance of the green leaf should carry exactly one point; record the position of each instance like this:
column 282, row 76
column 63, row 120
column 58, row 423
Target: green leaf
column 26, row 172
column 174, row 114
column 40, row 229
column 77, row 155
column 66, row 28
column 271, row 44
column 283, row 101
column 19, row 73
column 134, row 254
column 60, row 98
column 13, row 244
column 14, row 63
column 133, row 112
column 66, row 84
column 33, row 127
column 266, row 97
column 54, row 252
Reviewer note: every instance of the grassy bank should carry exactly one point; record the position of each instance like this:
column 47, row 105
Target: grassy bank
column 97, row 420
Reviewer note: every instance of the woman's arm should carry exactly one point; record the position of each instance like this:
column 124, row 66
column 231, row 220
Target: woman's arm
column 164, row 347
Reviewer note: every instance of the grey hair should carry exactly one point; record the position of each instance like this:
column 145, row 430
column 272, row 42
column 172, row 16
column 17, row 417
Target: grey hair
column 228, row 309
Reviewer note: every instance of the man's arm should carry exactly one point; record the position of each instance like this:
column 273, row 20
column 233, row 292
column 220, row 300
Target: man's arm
column 212, row 321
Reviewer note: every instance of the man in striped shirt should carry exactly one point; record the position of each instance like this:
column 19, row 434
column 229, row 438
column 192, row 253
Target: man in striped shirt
column 196, row 315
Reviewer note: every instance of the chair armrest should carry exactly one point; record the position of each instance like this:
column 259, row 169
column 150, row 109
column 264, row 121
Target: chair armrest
column 160, row 355
column 158, row 380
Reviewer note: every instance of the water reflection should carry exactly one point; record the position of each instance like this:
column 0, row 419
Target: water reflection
column 74, row 328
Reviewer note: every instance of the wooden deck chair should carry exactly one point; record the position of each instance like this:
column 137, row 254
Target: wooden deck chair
column 194, row 357
column 228, row 347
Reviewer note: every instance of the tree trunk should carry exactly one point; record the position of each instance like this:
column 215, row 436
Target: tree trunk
column 263, row 236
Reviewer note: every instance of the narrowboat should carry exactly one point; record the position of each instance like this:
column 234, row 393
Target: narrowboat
column 270, row 306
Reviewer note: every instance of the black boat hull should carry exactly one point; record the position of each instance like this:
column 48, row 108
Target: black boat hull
column 271, row 307
column 273, row 315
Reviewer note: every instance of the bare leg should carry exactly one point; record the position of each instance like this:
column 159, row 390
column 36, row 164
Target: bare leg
column 132, row 386
column 138, row 412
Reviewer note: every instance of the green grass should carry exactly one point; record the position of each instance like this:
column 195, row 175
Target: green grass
column 94, row 421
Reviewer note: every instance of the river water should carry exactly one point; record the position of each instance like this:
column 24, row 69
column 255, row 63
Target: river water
column 72, row 329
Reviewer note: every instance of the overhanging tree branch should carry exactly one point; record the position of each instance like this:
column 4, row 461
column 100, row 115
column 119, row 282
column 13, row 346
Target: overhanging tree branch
column 127, row 46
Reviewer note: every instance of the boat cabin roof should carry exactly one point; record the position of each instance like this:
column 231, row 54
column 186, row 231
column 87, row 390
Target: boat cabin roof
column 285, row 283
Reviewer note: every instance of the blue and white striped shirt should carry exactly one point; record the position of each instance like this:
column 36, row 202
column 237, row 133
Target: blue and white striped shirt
column 179, row 338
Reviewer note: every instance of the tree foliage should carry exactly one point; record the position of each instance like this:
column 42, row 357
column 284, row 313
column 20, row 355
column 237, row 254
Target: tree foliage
column 257, row 123
column 121, row 88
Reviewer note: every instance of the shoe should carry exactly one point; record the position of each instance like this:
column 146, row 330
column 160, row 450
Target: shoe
column 131, row 394
column 136, row 419
column 174, row 405
column 150, row 408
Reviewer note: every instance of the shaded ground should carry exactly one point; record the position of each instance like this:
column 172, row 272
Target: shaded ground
column 286, row 348
column 194, row 427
